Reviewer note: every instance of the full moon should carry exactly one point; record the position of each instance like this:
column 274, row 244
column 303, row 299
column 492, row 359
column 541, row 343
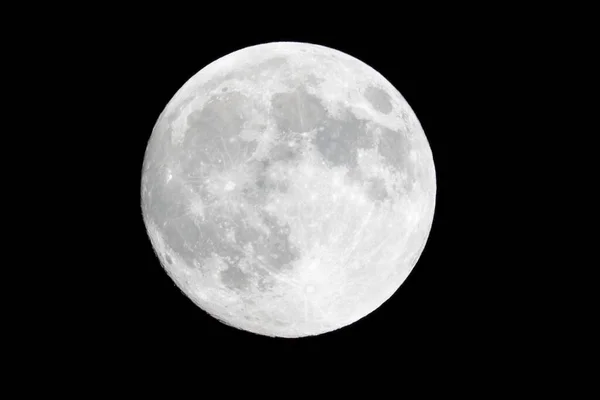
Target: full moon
column 288, row 189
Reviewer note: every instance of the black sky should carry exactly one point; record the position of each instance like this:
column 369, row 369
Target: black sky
column 445, row 308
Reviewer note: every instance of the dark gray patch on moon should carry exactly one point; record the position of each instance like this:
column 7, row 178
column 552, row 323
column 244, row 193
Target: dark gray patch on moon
column 276, row 249
column 221, row 116
column 298, row 111
column 395, row 148
column 194, row 240
column 165, row 202
column 182, row 235
column 339, row 140
column 256, row 192
column 379, row 99
column 210, row 129
column 283, row 152
column 197, row 241
column 376, row 190
column 214, row 231
column 235, row 278
column 244, row 232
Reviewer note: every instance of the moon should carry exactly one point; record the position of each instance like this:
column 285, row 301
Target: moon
column 288, row 189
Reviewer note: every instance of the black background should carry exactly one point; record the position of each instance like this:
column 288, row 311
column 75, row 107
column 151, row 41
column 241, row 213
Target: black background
column 482, row 80
column 447, row 309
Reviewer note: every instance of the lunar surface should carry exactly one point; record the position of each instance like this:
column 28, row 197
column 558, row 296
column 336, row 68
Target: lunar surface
column 288, row 189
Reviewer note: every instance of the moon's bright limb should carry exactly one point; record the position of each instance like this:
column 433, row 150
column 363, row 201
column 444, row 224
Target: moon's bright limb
column 288, row 189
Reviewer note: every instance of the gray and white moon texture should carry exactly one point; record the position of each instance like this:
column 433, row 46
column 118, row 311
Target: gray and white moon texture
column 288, row 189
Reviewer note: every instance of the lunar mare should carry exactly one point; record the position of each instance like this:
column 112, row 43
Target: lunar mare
column 288, row 189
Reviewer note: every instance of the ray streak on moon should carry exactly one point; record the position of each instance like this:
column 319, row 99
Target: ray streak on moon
column 359, row 233
column 288, row 189
column 226, row 151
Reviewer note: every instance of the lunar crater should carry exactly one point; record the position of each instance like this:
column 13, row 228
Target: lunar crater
column 379, row 99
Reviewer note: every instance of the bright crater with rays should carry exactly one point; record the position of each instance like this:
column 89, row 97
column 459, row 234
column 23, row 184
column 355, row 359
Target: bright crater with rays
column 288, row 189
